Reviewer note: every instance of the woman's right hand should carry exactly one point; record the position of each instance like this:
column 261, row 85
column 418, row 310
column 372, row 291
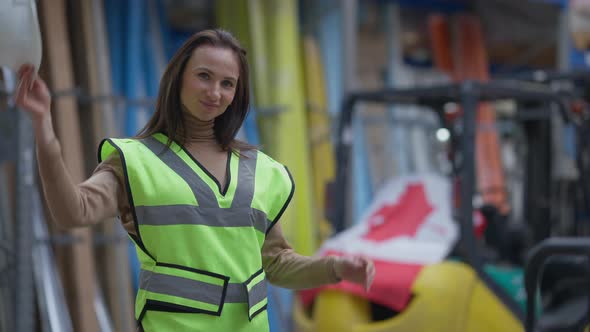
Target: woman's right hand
column 357, row 269
column 32, row 94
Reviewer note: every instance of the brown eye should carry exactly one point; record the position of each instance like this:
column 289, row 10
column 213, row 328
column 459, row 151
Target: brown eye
column 204, row 76
column 228, row 84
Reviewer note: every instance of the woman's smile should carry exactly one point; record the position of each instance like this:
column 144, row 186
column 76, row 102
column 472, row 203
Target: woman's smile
column 210, row 106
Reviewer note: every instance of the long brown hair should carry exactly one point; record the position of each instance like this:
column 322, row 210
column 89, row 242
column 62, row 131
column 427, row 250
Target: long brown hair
column 168, row 117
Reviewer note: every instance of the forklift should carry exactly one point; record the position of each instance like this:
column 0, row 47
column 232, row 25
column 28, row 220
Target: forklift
column 557, row 271
column 455, row 295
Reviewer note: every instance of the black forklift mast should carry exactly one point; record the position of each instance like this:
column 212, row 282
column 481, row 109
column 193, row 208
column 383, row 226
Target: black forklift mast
column 468, row 94
column 577, row 85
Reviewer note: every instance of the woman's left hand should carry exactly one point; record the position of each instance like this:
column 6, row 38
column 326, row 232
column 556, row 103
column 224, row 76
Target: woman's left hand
column 359, row 270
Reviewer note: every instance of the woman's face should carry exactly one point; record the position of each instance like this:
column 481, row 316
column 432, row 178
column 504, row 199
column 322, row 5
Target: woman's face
column 209, row 82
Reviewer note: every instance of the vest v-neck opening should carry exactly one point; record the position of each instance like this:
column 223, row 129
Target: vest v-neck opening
column 221, row 191
column 210, row 175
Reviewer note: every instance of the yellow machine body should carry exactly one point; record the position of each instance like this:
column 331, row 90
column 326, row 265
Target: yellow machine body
column 446, row 297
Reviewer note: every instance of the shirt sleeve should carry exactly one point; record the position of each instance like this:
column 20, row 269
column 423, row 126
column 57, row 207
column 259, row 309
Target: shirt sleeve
column 71, row 204
column 285, row 268
column 113, row 165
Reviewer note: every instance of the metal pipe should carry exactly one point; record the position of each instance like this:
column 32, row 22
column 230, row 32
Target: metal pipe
column 469, row 102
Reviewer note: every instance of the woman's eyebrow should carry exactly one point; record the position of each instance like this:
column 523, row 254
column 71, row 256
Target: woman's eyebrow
column 211, row 72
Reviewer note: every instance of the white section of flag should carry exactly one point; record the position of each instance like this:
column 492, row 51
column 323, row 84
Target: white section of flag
column 435, row 236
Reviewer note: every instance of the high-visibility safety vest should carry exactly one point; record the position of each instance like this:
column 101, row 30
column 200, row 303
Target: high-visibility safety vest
column 199, row 244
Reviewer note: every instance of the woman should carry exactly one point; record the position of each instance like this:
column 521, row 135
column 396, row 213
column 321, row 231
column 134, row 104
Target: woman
column 201, row 207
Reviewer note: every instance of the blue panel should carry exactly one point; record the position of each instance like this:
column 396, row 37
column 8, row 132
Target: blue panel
column 116, row 35
column 361, row 176
column 250, row 128
column 165, row 30
column 577, row 59
column 445, row 6
column 330, row 40
column 560, row 3
column 134, row 81
column 149, row 59
column 115, row 14
column 280, row 307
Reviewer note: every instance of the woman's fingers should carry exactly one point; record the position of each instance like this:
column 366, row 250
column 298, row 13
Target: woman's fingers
column 372, row 273
column 359, row 269
column 30, row 80
column 22, row 70
column 40, row 88
column 26, row 98
column 369, row 273
column 33, row 77
column 21, row 92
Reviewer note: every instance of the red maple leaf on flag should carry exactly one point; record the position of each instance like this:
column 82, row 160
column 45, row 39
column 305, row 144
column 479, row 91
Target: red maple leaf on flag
column 402, row 218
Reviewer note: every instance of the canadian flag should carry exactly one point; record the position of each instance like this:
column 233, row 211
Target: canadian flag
column 409, row 225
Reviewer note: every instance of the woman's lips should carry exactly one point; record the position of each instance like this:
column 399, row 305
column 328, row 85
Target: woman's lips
column 209, row 105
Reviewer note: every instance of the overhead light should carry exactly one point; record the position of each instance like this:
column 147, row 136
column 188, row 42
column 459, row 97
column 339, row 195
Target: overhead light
column 443, row 135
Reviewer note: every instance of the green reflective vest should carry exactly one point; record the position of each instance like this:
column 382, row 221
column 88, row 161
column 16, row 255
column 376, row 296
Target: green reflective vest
column 199, row 244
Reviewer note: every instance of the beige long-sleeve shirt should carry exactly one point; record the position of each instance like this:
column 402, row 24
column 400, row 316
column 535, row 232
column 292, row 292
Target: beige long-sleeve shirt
column 103, row 196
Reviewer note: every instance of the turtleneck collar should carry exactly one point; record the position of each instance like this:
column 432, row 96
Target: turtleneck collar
column 197, row 130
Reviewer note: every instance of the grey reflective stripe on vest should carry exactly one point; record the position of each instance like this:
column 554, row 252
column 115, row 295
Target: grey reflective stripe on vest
column 238, row 293
column 203, row 193
column 168, row 215
column 200, row 291
column 246, row 171
column 257, row 293
column 180, row 287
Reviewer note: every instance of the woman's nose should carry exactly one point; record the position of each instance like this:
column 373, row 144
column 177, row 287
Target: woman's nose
column 214, row 92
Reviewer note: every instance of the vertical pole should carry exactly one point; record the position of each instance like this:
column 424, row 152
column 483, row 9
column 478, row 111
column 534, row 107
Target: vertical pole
column 399, row 143
column 7, row 206
column 349, row 42
column 23, row 292
column 469, row 100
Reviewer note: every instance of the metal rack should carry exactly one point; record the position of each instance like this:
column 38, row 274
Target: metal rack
column 17, row 286
column 27, row 264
